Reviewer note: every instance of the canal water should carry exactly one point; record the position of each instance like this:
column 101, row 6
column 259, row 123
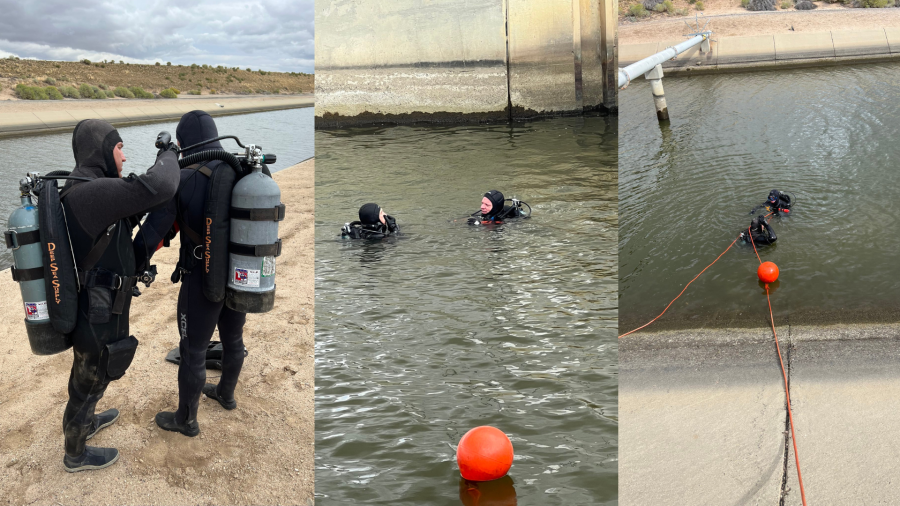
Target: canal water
column 422, row 337
column 686, row 189
column 288, row 134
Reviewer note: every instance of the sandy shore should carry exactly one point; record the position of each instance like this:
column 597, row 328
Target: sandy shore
column 728, row 19
column 15, row 105
column 260, row 453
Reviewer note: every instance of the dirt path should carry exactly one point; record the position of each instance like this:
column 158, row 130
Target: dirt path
column 728, row 19
column 260, row 453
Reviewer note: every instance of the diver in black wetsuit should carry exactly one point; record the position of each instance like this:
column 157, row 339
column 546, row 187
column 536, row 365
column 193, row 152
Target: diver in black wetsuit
column 101, row 216
column 197, row 316
column 373, row 224
column 777, row 202
column 761, row 233
column 494, row 210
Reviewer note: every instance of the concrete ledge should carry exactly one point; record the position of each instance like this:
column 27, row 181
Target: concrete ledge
column 763, row 52
column 44, row 121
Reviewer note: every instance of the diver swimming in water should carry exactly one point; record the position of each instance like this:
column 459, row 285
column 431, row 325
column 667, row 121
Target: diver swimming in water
column 777, row 202
column 373, row 224
column 494, row 209
column 761, row 233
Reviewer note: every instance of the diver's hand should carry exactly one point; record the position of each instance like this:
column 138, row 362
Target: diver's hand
column 391, row 223
column 170, row 147
column 474, row 221
column 135, row 292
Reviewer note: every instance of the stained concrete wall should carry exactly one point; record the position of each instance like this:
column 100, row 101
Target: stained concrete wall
column 445, row 60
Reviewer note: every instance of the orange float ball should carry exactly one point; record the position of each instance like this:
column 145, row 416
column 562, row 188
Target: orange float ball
column 484, row 453
column 767, row 272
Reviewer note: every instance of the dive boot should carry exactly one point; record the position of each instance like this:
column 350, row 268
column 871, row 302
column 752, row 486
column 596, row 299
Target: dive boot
column 209, row 390
column 166, row 421
column 102, row 420
column 92, row 458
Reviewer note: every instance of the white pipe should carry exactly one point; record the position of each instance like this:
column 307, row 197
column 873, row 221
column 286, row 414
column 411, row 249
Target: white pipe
column 627, row 74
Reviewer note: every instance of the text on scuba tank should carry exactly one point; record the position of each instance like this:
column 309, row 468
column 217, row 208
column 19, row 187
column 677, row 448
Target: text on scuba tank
column 208, row 243
column 51, row 247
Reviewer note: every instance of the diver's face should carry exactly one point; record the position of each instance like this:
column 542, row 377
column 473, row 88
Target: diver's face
column 119, row 157
column 486, row 205
column 381, row 216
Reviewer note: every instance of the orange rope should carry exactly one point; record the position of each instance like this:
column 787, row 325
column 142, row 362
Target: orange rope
column 683, row 289
column 787, row 393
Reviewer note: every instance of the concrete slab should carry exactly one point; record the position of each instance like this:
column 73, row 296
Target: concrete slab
column 893, row 37
column 133, row 114
column 755, row 48
column 795, row 46
column 110, row 115
column 631, row 53
column 56, row 119
column 701, row 418
column 82, row 114
column 844, row 389
column 860, row 43
column 19, row 121
column 153, row 113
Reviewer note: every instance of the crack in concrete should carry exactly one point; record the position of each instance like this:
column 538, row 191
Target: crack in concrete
column 509, row 106
column 787, row 421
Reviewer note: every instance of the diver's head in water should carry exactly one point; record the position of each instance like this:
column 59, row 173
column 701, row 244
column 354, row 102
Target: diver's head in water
column 774, row 196
column 96, row 144
column 491, row 203
column 194, row 127
column 371, row 214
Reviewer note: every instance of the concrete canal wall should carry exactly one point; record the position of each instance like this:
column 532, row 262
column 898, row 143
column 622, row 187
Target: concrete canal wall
column 27, row 117
column 443, row 60
column 772, row 51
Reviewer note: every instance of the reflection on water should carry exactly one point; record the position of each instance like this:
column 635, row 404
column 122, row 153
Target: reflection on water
column 500, row 492
column 450, row 326
column 687, row 188
column 288, row 134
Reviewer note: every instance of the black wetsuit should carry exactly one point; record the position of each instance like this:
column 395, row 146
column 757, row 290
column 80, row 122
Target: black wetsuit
column 107, row 204
column 761, row 233
column 507, row 213
column 197, row 316
column 358, row 230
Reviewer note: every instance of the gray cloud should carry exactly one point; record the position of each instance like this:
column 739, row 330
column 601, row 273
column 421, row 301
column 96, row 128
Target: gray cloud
column 269, row 34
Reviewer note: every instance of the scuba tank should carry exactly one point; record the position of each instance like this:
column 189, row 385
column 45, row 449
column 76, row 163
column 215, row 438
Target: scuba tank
column 23, row 237
column 241, row 226
column 256, row 209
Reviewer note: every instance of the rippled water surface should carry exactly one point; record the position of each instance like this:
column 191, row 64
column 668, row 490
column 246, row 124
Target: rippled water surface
column 288, row 134
column 829, row 135
column 448, row 327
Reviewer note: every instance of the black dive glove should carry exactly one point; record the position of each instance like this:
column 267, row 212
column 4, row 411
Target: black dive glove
column 391, row 223
column 164, row 143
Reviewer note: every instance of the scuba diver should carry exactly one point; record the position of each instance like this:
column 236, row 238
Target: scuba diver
column 760, row 233
column 373, row 224
column 777, row 202
column 197, row 315
column 494, row 209
column 102, row 213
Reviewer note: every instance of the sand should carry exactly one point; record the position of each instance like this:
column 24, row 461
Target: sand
column 201, row 102
column 728, row 19
column 260, row 453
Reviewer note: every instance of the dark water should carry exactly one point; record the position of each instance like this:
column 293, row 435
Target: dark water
column 829, row 135
column 421, row 338
column 288, row 134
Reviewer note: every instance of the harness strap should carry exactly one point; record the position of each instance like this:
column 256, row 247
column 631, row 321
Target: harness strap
column 21, row 238
column 256, row 250
column 27, row 274
column 93, row 256
column 258, row 214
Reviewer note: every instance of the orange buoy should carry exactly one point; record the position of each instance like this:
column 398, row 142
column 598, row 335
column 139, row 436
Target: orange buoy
column 484, row 453
column 767, row 272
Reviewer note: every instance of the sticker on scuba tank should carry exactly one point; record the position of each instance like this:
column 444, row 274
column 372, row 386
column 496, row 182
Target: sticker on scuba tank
column 268, row 266
column 246, row 277
column 36, row 311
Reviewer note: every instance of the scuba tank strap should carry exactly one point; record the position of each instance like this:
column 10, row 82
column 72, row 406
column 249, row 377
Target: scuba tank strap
column 27, row 274
column 102, row 278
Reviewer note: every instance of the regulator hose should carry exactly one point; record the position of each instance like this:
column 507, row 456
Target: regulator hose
column 213, row 154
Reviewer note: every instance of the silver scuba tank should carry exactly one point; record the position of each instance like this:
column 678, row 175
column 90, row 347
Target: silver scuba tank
column 256, row 209
column 23, row 238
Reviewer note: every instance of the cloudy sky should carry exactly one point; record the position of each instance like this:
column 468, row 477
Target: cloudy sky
column 268, row 34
